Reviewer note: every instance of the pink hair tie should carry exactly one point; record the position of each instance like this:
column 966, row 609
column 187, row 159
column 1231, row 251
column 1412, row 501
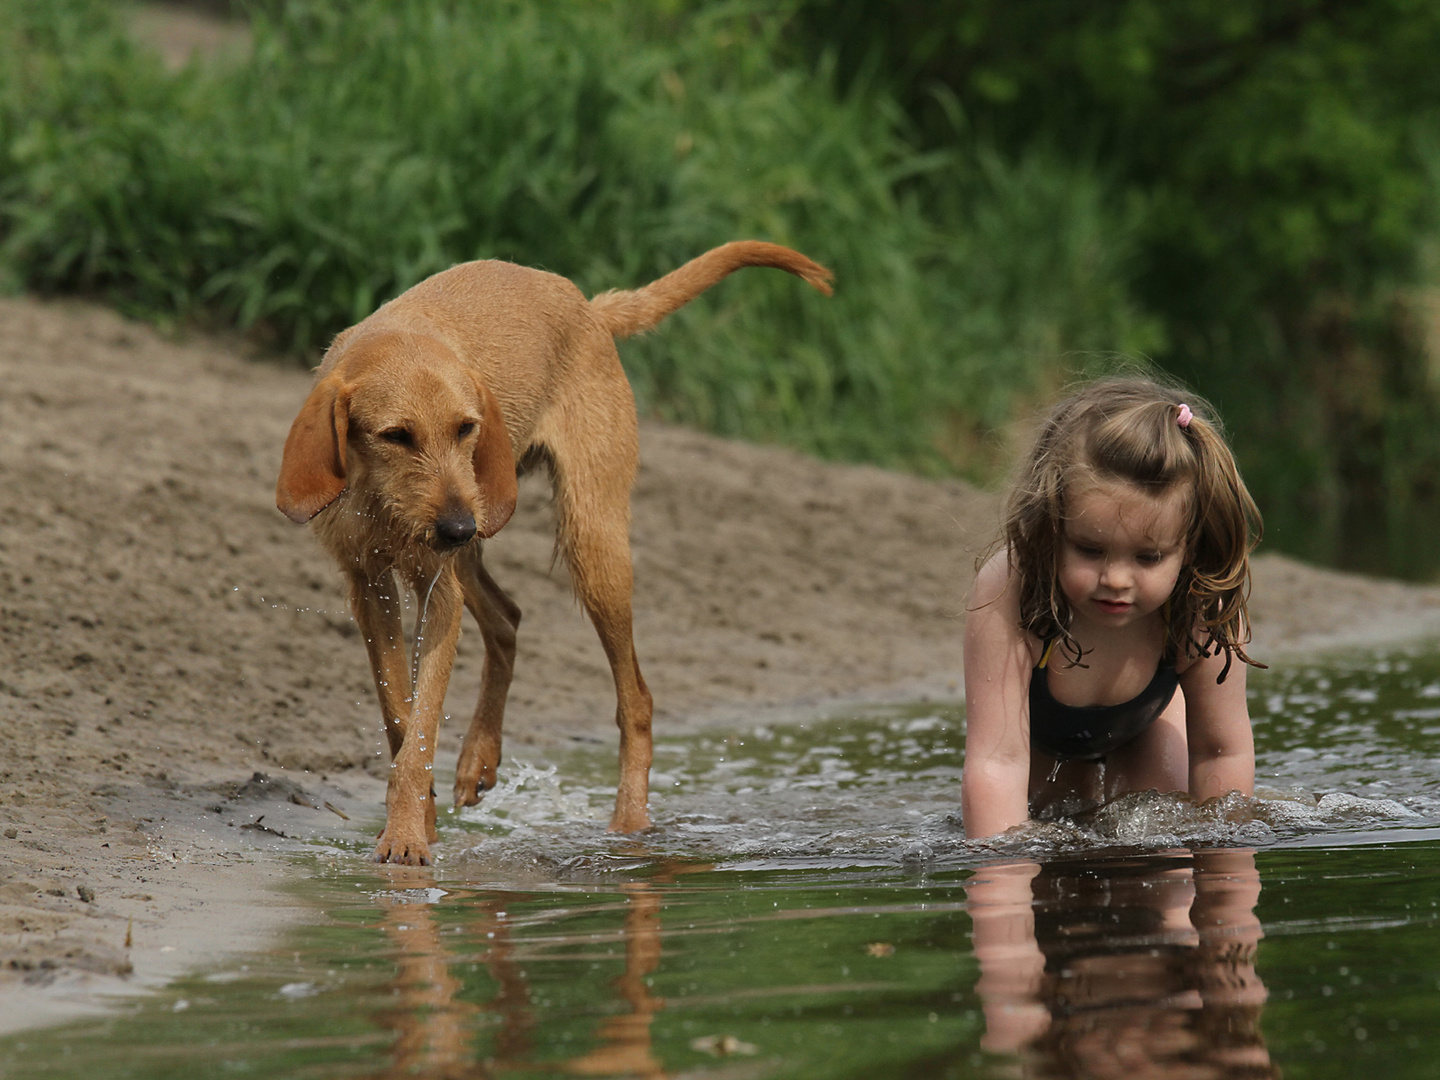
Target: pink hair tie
column 1184, row 416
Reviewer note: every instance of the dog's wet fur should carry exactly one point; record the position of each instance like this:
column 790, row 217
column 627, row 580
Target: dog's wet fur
column 404, row 458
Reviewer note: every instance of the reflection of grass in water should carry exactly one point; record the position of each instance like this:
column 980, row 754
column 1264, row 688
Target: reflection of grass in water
column 826, row 975
column 1350, row 957
column 528, row 981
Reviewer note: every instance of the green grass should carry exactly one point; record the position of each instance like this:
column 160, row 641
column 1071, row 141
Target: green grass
column 361, row 147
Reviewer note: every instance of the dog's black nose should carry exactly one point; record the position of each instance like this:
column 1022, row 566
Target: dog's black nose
column 455, row 528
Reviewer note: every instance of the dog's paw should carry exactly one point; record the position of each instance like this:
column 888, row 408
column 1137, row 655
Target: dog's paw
column 399, row 848
column 630, row 821
column 469, row 790
column 475, row 769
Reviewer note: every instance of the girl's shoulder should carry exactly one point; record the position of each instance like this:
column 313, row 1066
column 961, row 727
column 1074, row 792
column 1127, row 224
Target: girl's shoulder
column 994, row 606
column 992, row 580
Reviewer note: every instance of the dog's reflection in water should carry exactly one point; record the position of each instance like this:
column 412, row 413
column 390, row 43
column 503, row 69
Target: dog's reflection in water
column 624, row 1047
column 1130, row 967
column 435, row 1028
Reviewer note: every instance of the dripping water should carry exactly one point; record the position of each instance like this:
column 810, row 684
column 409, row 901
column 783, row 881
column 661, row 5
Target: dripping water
column 420, row 635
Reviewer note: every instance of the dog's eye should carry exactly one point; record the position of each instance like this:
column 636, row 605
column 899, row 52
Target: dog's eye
column 399, row 436
column 466, row 428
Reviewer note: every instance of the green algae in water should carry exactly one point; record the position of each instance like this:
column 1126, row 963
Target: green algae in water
column 807, row 907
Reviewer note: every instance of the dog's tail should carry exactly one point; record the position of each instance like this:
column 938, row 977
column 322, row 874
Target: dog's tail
column 633, row 311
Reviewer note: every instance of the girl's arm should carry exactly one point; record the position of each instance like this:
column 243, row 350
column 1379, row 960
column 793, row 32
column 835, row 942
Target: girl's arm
column 1217, row 728
column 994, row 793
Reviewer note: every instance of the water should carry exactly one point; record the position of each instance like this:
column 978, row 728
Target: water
column 808, row 907
column 419, row 635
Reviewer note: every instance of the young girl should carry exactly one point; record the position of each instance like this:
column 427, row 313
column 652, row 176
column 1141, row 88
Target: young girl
column 1100, row 639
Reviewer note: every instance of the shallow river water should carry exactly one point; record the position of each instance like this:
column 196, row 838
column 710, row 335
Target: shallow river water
column 807, row 906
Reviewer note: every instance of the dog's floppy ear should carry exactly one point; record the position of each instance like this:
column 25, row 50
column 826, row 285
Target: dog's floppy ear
column 494, row 466
column 312, row 471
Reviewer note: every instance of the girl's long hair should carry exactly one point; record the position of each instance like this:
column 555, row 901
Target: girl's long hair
column 1126, row 429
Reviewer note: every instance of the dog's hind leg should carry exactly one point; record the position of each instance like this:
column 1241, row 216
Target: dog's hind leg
column 593, row 506
column 499, row 617
column 606, row 597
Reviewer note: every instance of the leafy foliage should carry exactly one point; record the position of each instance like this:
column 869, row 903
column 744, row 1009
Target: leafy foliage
column 1283, row 157
column 361, row 147
column 1009, row 194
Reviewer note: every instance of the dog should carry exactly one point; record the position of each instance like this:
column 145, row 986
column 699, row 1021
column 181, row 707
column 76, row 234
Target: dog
column 404, row 460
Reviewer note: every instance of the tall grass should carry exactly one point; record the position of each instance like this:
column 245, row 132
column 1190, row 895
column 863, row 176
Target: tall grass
column 362, row 146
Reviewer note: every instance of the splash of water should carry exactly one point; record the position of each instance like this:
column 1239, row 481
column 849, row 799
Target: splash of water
column 1343, row 759
column 530, row 798
column 420, row 634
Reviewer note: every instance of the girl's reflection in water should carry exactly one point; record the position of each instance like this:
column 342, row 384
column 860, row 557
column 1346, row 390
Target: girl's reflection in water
column 1138, row 966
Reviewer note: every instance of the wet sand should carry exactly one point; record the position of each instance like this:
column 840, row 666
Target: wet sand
column 165, row 635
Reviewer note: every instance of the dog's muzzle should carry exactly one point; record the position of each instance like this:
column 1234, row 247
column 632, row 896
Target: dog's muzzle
column 454, row 528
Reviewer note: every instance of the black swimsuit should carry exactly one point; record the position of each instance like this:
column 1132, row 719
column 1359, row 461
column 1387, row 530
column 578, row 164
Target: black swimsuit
column 1089, row 732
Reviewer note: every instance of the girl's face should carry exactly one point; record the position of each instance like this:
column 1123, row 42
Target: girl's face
column 1121, row 553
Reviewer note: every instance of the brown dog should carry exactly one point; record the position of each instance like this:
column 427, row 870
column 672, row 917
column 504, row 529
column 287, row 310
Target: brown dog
column 409, row 444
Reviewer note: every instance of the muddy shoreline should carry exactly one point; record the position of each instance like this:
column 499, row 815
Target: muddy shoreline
column 166, row 635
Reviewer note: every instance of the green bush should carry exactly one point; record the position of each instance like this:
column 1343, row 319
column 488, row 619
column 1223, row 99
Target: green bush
column 1282, row 157
column 361, row 147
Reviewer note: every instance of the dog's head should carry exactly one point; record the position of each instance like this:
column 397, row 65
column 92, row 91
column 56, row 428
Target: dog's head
column 402, row 420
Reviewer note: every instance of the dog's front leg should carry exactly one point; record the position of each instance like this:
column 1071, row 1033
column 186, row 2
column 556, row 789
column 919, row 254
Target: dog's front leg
column 410, row 797
column 377, row 607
